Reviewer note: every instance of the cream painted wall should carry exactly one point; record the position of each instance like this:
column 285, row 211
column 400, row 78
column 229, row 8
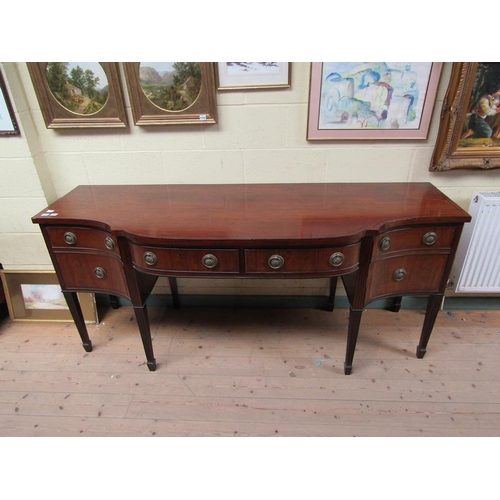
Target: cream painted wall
column 260, row 138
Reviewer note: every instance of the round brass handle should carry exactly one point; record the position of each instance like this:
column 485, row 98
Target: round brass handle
column 210, row 261
column 399, row 275
column 100, row 272
column 276, row 261
column 150, row 258
column 336, row 259
column 430, row 238
column 70, row 238
column 385, row 243
column 109, row 243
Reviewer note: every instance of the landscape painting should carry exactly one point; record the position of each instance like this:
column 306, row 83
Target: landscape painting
column 43, row 297
column 81, row 87
column 372, row 99
column 172, row 86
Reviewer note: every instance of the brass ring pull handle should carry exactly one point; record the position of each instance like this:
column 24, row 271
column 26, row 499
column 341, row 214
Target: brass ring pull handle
column 109, row 243
column 336, row 259
column 276, row 261
column 210, row 261
column 399, row 275
column 100, row 272
column 430, row 238
column 385, row 243
column 150, row 258
column 70, row 238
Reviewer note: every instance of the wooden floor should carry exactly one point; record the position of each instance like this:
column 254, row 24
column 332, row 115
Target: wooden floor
column 252, row 372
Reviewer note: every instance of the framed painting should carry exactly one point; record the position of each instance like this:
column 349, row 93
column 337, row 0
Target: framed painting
column 172, row 93
column 469, row 134
column 37, row 296
column 253, row 75
column 8, row 123
column 79, row 94
column 367, row 101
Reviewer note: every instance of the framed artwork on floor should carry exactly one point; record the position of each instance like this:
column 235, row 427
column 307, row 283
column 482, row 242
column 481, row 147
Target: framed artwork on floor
column 371, row 101
column 37, row 296
column 79, row 94
column 469, row 133
column 172, row 93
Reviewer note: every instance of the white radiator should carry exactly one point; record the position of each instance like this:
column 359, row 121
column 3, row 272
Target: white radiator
column 477, row 263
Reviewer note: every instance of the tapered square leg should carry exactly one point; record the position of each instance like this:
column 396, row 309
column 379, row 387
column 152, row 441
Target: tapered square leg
column 352, row 337
column 77, row 314
column 141, row 314
column 433, row 307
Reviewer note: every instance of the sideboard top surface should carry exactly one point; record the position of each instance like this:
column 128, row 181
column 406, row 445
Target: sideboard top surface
column 252, row 212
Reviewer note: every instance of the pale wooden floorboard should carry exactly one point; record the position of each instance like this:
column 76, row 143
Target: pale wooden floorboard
column 252, row 372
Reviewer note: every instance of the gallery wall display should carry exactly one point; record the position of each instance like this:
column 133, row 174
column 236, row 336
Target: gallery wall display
column 253, row 75
column 8, row 123
column 37, row 296
column 371, row 101
column 79, row 94
column 172, row 93
column 469, row 133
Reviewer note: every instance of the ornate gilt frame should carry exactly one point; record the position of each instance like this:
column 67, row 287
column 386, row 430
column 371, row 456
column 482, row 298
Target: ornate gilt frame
column 55, row 115
column 202, row 111
column 448, row 154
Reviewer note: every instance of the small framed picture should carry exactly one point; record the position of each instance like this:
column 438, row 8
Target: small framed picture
column 253, row 75
column 37, row 296
column 8, row 123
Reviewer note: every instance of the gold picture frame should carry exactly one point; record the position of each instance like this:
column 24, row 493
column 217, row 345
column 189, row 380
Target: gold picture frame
column 79, row 95
column 37, row 296
column 253, row 75
column 466, row 140
column 172, row 93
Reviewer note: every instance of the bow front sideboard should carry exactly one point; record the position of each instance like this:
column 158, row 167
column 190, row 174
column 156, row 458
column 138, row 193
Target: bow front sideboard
column 383, row 239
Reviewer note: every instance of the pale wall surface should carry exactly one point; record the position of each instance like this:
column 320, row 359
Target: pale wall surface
column 260, row 137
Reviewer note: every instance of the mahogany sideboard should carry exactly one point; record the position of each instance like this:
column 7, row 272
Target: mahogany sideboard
column 382, row 239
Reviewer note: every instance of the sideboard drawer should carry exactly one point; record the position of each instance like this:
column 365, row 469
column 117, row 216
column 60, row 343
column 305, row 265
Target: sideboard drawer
column 93, row 272
column 303, row 261
column 421, row 238
column 411, row 274
column 82, row 238
column 179, row 260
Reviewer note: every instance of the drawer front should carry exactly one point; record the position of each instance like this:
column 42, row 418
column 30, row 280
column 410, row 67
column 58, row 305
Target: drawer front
column 403, row 275
column 303, row 261
column 92, row 272
column 82, row 238
column 181, row 260
column 423, row 238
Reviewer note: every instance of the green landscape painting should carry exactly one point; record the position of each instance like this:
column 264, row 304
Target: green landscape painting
column 80, row 87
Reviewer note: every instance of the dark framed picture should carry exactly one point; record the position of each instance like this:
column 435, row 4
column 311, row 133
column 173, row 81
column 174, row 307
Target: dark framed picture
column 172, row 93
column 371, row 100
column 8, row 123
column 37, row 296
column 253, row 75
column 79, row 94
column 469, row 134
